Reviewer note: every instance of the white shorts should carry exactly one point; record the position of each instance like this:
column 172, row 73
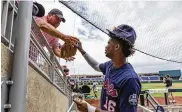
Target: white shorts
column 170, row 87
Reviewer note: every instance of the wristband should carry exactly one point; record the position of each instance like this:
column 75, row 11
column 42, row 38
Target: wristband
column 90, row 107
column 83, row 52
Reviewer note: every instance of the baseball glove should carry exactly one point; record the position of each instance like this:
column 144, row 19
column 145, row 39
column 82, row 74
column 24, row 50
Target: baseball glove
column 67, row 50
column 70, row 39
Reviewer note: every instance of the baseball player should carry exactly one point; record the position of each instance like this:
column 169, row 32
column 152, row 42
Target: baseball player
column 95, row 89
column 122, row 86
column 168, row 81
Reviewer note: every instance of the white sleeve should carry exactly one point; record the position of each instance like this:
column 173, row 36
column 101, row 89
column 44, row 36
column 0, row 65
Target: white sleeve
column 92, row 62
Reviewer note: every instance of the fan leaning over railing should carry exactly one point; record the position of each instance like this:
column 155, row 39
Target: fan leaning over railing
column 42, row 55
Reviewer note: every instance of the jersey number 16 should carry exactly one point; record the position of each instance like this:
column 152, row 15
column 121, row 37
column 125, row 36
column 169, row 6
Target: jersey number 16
column 110, row 105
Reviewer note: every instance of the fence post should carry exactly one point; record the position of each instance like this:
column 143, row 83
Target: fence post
column 166, row 98
column 142, row 100
column 17, row 96
column 52, row 69
column 147, row 99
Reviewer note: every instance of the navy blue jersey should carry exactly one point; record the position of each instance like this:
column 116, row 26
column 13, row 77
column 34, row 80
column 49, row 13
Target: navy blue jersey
column 121, row 88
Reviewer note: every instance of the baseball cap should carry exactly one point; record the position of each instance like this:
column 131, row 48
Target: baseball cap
column 58, row 13
column 66, row 70
column 123, row 31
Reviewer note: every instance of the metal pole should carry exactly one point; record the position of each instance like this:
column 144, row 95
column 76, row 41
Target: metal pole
column 52, row 71
column 20, row 61
column 147, row 99
column 166, row 98
column 144, row 108
column 142, row 100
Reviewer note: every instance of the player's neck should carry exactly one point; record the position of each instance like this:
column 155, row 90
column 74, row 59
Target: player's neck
column 118, row 61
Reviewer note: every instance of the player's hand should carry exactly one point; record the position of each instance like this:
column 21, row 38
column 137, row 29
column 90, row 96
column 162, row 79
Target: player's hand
column 78, row 46
column 81, row 105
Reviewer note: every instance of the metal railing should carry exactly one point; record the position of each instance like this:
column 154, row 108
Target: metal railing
column 143, row 109
column 73, row 107
column 151, row 101
column 41, row 55
column 8, row 20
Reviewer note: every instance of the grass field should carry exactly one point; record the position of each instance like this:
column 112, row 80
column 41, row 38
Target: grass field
column 146, row 86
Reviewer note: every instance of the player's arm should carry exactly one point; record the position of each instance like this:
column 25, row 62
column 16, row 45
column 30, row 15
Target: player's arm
column 91, row 61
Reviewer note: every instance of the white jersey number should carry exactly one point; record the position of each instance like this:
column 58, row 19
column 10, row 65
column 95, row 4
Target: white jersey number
column 110, row 105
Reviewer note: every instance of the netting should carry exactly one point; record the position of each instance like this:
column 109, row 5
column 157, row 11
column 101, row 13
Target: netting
column 158, row 24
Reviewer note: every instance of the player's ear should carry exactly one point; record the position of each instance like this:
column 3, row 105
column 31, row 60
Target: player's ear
column 117, row 47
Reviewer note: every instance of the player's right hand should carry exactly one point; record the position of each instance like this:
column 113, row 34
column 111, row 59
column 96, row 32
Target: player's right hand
column 78, row 46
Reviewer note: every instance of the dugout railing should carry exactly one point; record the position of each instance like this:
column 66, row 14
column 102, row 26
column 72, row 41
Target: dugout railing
column 147, row 99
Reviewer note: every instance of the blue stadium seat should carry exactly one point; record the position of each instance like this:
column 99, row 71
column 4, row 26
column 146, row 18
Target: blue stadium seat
column 145, row 78
column 84, row 79
column 150, row 78
column 154, row 77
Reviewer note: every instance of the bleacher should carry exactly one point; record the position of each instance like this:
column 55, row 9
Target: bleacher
column 145, row 78
column 85, row 79
column 150, row 78
column 90, row 81
column 154, row 78
column 97, row 79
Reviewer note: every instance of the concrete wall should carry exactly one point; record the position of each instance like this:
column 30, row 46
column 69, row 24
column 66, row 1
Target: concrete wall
column 41, row 96
column 6, row 61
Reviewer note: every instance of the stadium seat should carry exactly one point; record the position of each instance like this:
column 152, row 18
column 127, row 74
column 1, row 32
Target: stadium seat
column 150, row 78
column 145, row 78
column 154, row 78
